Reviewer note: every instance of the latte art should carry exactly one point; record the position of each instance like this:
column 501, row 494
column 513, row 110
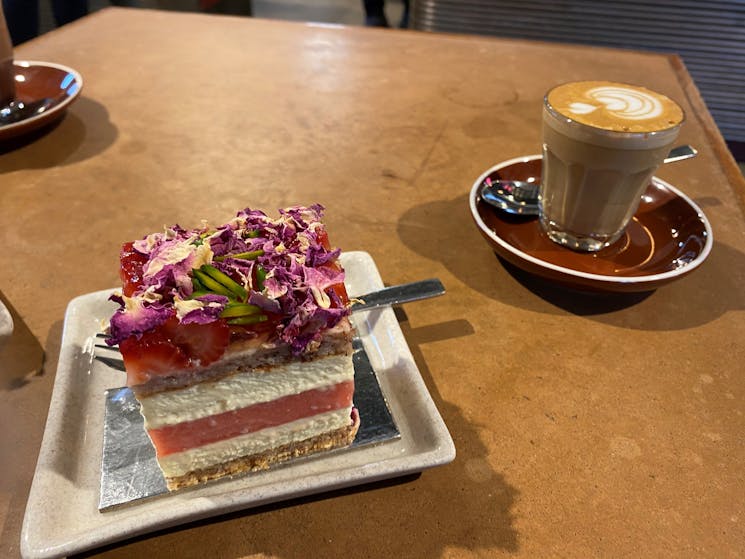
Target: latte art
column 615, row 107
column 627, row 103
column 581, row 108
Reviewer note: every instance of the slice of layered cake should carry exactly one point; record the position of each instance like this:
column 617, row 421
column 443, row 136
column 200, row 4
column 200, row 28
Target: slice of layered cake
column 237, row 343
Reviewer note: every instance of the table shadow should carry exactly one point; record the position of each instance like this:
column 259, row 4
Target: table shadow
column 21, row 355
column 84, row 131
column 396, row 516
column 444, row 231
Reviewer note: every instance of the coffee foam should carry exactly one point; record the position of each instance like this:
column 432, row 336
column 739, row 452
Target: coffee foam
column 615, row 107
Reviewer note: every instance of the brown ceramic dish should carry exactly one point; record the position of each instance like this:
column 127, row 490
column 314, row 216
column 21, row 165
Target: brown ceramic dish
column 668, row 238
column 36, row 81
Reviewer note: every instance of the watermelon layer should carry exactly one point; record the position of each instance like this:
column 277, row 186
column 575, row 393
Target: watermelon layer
column 180, row 437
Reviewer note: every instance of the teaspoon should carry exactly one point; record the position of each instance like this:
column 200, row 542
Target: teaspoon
column 521, row 197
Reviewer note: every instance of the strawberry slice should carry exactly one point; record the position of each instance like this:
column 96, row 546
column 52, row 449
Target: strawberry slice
column 173, row 347
column 323, row 239
column 202, row 343
column 341, row 292
column 130, row 270
column 150, row 356
column 338, row 288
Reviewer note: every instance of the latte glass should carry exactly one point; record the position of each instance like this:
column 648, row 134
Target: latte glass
column 602, row 142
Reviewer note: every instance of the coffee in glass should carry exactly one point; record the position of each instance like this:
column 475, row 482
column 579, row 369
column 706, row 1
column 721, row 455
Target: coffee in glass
column 602, row 141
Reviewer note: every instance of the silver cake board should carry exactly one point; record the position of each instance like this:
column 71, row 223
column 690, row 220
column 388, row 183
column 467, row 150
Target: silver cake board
column 130, row 472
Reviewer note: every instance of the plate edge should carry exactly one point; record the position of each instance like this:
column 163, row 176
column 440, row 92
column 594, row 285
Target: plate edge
column 440, row 454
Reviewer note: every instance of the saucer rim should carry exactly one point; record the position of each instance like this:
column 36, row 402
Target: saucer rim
column 652, row 279
column 12, row 130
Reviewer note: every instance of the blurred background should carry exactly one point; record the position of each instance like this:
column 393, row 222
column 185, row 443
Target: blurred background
column 346, row 12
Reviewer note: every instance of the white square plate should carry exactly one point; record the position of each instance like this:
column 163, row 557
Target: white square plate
column 69, row 466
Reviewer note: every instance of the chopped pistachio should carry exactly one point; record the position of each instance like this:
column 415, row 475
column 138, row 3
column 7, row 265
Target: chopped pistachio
column 211, row 284
column 225, row 280
column 249, row 255
column 251, row 319
column 239, row 309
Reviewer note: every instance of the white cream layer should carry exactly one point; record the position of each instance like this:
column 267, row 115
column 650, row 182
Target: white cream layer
column 181, row 463
column 244, row 389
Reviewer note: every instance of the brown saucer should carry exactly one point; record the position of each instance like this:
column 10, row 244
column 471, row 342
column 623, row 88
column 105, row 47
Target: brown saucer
column 668, row 237
column 36, row 81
